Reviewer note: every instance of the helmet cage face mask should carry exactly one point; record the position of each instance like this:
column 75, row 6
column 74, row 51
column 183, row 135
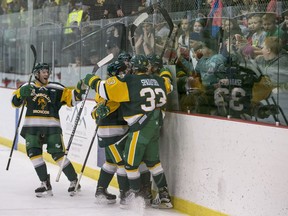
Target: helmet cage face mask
column 139, row 63
column 155, row 61
column 124, row 57
column 39, row 67
column 115, row 68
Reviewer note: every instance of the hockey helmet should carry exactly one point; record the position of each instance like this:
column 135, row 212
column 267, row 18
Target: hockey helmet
column 155, row 60
column 40, row 66
column 116, row 67
column 124, row 56
column 139, row 63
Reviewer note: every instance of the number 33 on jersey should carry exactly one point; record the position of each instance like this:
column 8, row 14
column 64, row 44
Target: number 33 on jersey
column 139, row 94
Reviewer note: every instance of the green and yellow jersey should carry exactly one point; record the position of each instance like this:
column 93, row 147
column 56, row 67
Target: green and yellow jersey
column 111, row 128
column 139, row 95
column 42, row 114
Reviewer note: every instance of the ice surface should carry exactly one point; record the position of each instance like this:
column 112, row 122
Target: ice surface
column 17, row 197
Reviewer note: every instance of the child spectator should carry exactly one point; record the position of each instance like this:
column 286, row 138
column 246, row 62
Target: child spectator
column 259, row 35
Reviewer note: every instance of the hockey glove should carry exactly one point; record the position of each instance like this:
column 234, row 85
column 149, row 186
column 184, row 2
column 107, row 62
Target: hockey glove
column 26, row 91
column 91, row 80
column 93, row 112
column 100, row 111
column 80, row 90
column 264, row 111
column 262, row 89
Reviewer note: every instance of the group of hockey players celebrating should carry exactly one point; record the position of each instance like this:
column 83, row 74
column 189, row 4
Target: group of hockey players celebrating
column 129, row 114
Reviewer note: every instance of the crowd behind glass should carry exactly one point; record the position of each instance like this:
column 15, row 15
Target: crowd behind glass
column 228, row 61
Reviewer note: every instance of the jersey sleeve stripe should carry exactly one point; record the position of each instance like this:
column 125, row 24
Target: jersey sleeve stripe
column 102, row 90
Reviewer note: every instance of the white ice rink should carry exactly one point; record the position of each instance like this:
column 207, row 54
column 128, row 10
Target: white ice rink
column 17, row 196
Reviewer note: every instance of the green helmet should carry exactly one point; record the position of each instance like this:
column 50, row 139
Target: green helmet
column 40, row 66
column 155, row 60
column 116, row 67
column 139, row 63
column 124, row 56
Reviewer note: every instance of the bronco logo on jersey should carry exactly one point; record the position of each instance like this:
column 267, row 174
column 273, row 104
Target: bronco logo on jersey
column 42, row 102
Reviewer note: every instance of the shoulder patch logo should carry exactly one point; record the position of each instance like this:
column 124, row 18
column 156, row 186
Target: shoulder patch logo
column 111, row 81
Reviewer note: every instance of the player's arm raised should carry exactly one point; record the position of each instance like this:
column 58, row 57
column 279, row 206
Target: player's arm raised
column 108, row 89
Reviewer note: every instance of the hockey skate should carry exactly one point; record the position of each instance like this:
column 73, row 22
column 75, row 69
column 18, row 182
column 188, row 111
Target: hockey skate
column 72, row 186
column 132, row 200
column 104, row 197
column 45, row 189
column 122, row 197
column 162, row 200
column 146, row 193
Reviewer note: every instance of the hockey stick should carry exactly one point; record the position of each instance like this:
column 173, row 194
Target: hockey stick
column 271, row 96
column 168, row 19
column 88, row 153
column 99, row 64
column 121, row 139
column 136, row 23
column 22, row 109
column 86, row 158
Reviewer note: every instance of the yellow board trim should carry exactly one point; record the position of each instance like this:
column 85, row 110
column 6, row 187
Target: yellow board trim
column 180, row 205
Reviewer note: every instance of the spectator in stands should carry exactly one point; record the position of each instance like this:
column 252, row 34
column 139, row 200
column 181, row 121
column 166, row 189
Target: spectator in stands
column 284, row 27
column 255, row 6
column 249, row 30
column 207, row 66
column 94, row 57
column 270, row 25
column 230, row 28
column 271, row 28
column 145, row 39
column 161, row 34
column 199, row 25
column 131, row 6
column 183, row 40
column 119, row 8
column 214, row 21
column 274, row 64
column 284, row 24
column 113, row 47
column 142, row 5
column 259, row 35
column 192, row 97
column 170, row 53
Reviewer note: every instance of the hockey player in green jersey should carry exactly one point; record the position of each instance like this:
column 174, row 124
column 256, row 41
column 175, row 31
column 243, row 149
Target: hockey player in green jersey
column 142, row 99
column 112, row 132
column 43, row 100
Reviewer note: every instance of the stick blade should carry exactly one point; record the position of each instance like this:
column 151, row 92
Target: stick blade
column 140, row 19
column 33, row 50
column 105, row 60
